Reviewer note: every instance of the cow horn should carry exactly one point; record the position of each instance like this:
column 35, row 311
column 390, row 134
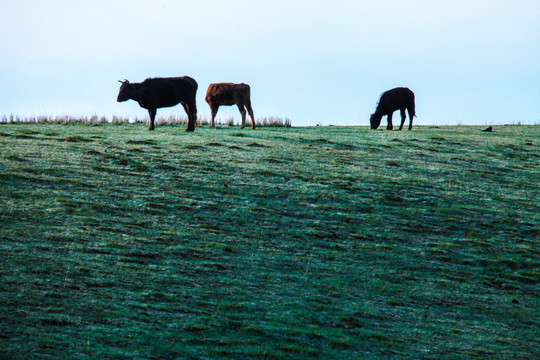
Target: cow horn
column 124, row 82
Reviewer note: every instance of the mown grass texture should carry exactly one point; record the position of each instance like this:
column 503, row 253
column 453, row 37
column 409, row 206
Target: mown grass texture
column 326, row 242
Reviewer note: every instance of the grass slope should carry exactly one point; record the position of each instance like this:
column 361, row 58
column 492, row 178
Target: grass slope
column 340, row 243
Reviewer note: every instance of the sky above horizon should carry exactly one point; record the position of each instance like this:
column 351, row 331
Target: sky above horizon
column 314, row 62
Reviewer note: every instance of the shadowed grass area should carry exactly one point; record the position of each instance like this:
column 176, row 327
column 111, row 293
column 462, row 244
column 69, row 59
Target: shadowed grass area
column 339, row 243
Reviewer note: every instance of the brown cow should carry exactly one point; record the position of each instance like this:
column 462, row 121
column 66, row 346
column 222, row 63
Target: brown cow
column 230, row 94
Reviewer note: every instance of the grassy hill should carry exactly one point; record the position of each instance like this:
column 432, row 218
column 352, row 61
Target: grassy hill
column 338, row 243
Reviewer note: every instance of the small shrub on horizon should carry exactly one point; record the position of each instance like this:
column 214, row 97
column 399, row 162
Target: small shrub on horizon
column 273, row 121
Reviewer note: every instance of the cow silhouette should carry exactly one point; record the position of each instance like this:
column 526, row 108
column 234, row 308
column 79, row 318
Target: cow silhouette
column 155, row 93
column 400, row 98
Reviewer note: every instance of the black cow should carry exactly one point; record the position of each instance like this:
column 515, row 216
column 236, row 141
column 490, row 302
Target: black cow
column 156, row 93
column 396, row 99
column 230, row 94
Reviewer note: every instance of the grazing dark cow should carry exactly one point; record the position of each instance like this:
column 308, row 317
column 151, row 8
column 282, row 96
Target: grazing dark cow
column 396, row 99
column 156, row 93
column 230, row 94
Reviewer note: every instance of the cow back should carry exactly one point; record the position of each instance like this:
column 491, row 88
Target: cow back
column 165, row 92
column 395, row 99
column 227, row 93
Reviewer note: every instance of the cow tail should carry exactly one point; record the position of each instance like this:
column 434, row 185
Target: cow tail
column 248, row 97
column 413, row 105
column 193, row 106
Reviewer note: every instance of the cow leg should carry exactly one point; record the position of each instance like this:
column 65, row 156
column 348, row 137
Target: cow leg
column 191, row 120
column 410, row 118
column 403, row 117
column 214, row 109
column 152, row 113
column 243, row 113
column 390, row 126
column 190, row 124
column 250, row 111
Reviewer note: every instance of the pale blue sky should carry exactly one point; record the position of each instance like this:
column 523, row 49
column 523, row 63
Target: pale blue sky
column 327, row 62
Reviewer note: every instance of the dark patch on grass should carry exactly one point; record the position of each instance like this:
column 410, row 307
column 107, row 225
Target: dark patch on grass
column 346, row 147
column 24, row 136
column 273, row 160
column 121, row 161
column 193, row 147
column 322, row 141
column 393, row 197
column 142, row 142
column 157, row 206
column 259, row 145
column 163, row 166
column 59, row 321
column 77, row 139
column 66, row 202
column 15, row 158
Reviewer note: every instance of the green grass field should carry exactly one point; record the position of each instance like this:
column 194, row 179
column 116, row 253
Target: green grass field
column 278, row 243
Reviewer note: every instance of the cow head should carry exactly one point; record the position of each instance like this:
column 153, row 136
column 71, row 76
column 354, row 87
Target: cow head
column 126, row 91
column 375, row 121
